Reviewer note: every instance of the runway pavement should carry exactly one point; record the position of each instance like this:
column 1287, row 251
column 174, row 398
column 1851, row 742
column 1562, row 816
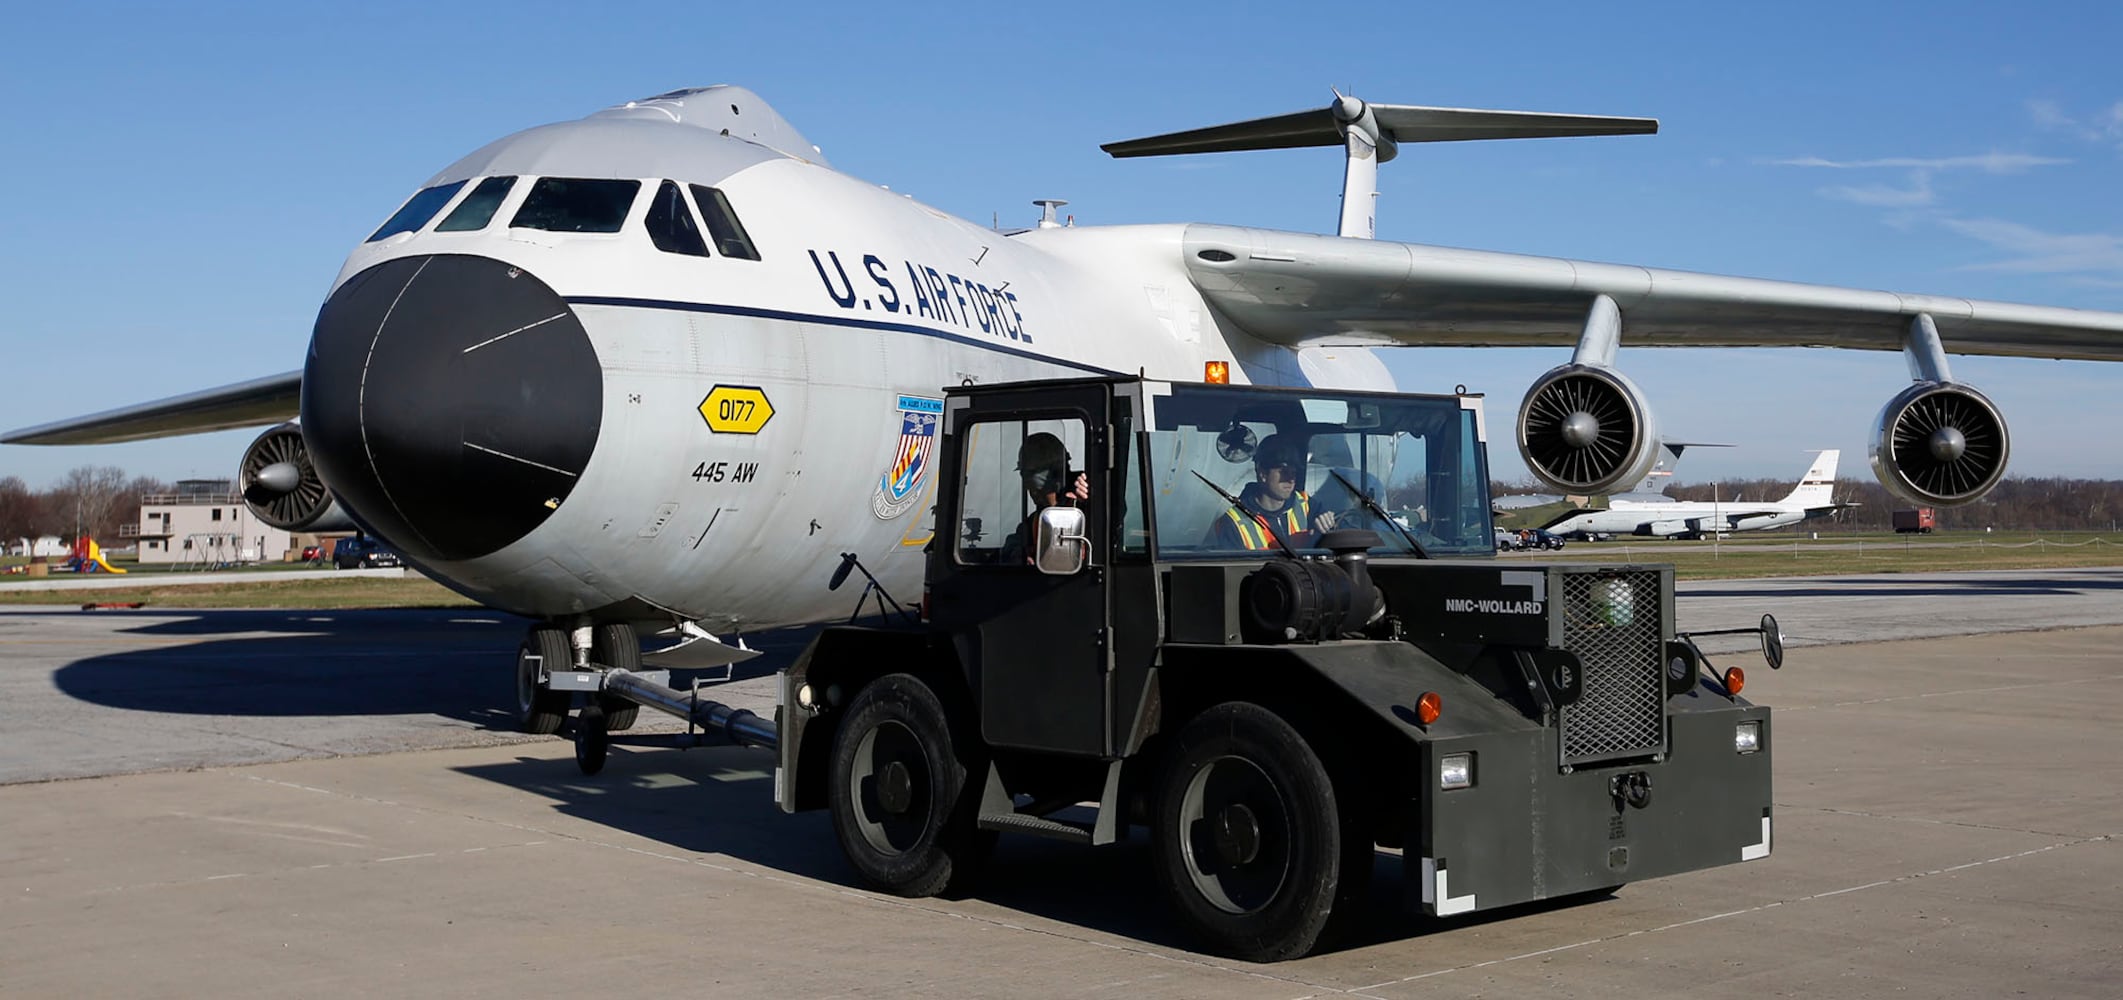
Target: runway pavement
column 322, row 804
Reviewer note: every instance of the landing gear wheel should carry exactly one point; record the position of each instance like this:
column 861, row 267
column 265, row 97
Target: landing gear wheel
column 1246, row 834
column 538, row 709
column 617, row 646
column 593, row 739
column 897, row 790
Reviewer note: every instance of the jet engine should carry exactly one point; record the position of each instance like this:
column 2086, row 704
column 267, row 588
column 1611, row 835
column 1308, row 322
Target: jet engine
column 280, row 485
column 1939, row 444
column 1587, row 429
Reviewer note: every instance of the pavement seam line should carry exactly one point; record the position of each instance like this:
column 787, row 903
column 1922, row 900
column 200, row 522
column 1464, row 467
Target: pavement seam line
column 859, row 895
column 1897, row 880
column 2106, row 679
column 1833, row 811
column 268, row 873
column 809, row 885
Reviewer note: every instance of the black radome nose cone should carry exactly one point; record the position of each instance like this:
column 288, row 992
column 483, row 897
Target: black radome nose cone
column 451, row 402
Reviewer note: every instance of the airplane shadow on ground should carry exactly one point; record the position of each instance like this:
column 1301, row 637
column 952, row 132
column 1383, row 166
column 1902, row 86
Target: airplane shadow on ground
column 456, row 664
column 708, row 801
column 720, row 801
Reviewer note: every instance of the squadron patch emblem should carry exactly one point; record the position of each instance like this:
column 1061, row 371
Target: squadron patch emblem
column 900, row 489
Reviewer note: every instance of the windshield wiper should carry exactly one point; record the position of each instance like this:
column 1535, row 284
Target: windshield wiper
column 1376, row 511
column 1240, row 506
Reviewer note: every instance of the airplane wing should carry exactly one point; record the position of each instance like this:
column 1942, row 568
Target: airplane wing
column 1568, row 514
column 267, row 400
column 1300, row 289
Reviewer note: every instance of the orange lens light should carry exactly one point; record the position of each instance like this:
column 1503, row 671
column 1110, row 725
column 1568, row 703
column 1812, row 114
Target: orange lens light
column 1429, row 707
column 1216, row 372
column 1735, row 679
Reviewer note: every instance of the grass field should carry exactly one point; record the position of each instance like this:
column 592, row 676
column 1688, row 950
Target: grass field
column 354, row 592
column 1778, row 555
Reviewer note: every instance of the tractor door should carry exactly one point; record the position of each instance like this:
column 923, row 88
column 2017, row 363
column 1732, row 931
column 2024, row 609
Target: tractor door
column 1036, row 643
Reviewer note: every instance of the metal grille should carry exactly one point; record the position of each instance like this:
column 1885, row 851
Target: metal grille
column 1611, row 621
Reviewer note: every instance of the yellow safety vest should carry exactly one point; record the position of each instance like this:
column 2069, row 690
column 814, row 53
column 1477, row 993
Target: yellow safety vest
column 1291, row 520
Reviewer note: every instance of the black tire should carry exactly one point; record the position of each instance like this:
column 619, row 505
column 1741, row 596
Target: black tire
column 540, row 710
column 593, row 739
column 1247, row 836
column 617, row 646
column 898, row 792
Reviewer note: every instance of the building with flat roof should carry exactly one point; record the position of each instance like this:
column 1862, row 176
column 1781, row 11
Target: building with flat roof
column 204, row 523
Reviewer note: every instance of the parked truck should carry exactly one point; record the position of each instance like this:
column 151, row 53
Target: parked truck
column 1915, row 521
column 1279, row 720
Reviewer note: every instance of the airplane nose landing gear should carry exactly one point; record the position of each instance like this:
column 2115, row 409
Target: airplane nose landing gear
column 451, row 402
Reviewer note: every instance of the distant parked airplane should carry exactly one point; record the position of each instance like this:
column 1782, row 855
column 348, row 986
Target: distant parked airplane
column 1651, row 490
column 1665, row 517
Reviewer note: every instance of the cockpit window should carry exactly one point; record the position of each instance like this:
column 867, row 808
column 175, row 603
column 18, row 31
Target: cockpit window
column 418, row 210
column 671, row 225
column 477, row 209
column 575, row 205
column 730, row 236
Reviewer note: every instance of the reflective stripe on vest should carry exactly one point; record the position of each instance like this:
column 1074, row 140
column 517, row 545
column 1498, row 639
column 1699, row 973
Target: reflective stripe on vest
column 1253, row 536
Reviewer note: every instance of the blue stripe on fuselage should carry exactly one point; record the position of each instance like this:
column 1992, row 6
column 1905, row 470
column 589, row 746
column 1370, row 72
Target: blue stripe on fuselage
column 796, row 317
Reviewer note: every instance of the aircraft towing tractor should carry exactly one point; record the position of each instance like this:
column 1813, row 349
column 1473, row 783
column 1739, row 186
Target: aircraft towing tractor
column 1272, row 716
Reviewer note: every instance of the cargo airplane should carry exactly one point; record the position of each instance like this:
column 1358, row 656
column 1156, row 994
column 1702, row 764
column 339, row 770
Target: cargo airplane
column 1666, row 517
column 662, row 366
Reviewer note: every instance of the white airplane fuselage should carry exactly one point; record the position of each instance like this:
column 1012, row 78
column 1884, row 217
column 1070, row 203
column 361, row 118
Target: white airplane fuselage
column 1669, row 518
column 1681, row 518
column 862, row 305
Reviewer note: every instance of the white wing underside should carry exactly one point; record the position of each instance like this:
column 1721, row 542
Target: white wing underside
column 1299, row 289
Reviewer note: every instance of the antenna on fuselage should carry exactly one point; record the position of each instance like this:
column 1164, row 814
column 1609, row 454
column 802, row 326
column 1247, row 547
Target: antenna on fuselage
column 1046, row 211
column 1370, row 134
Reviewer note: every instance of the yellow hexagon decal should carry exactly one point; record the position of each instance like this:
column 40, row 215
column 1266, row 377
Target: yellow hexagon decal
column 736, row 409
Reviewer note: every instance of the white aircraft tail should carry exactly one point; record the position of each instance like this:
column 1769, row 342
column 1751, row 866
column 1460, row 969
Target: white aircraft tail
column 1661, row 474
column 1817, row 487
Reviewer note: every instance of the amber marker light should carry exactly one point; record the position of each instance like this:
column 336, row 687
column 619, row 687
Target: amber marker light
column 1735, row 679
column 1216, row 372
column 1429, row 707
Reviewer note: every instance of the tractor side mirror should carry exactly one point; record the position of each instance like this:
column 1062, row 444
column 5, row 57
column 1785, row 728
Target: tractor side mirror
column 1062, row 546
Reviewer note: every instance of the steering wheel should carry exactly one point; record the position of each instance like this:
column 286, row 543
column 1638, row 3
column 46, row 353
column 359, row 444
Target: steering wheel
column 1347, row 517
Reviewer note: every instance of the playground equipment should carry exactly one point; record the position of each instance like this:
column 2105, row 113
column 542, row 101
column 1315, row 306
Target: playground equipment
column 87, row 557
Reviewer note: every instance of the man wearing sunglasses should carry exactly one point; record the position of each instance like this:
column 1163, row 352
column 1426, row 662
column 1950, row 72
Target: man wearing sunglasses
column 1273, row 498
column 1043, row 469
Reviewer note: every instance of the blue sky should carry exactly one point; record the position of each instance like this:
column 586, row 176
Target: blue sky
column 184, row 182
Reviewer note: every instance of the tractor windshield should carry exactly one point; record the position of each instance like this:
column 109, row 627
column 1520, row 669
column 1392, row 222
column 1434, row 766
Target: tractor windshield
column 1296, row 460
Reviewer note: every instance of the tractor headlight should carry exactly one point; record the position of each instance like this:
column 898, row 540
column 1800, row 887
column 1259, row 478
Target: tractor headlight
column 1747, row 736
column 1614, row 604
column 1456, row 770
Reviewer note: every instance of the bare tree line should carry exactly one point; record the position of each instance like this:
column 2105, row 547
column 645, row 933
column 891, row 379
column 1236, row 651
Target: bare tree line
column 97, row 499
column 92, row 500
column 2019, row 503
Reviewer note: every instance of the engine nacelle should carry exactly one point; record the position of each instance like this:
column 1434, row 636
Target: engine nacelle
column 280, row 485
column 1939, row 444
column 1587, row 429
